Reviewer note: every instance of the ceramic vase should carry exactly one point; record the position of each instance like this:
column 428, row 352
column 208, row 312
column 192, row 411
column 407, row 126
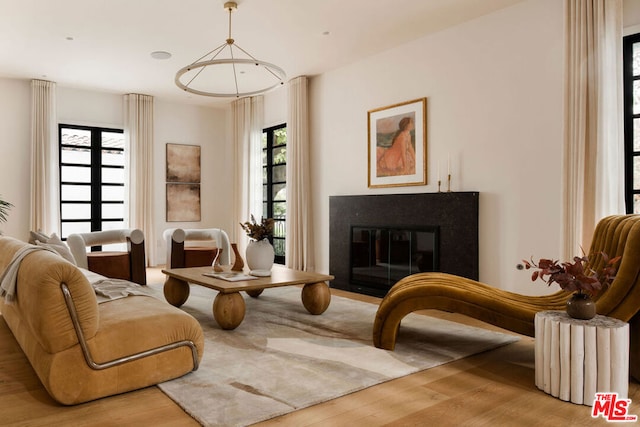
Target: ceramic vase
column 238, row 263
column 581, row 306
column 260, row 255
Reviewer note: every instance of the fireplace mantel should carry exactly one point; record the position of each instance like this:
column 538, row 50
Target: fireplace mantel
column 454, row 213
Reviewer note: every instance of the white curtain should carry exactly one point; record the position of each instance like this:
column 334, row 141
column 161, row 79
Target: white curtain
column 594, row 147
column 299, row 243
column 45, row 193
column 247, row 139
column 138, row 132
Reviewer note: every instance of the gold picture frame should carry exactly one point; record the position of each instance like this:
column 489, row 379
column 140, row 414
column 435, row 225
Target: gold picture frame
column 397, row 144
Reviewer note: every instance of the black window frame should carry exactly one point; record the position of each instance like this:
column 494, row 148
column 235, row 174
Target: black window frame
column 629, row 154
column 267, row 196
column 96, row 183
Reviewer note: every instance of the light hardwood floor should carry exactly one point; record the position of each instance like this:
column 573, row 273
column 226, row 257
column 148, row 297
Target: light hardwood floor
column 495, row 388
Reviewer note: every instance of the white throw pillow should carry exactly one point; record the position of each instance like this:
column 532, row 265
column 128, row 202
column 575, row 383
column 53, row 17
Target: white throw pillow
column 57, row 245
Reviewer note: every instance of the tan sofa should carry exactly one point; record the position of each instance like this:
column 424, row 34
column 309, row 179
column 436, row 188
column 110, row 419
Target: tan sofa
column 82, row 350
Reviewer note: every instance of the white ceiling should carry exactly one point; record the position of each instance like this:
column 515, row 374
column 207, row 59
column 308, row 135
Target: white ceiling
column 105, row 45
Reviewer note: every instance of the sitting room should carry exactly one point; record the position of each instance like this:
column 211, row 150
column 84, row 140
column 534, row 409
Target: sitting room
column 411, row 167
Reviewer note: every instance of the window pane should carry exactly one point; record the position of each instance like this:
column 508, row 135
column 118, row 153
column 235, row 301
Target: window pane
column 279, row 173
column 280, row 136
column 636, row 134
column 264, row 193
column 110, row 210
column 264, row 140
column 279, row 209
column 112, row 175
column 264, row 158
column 279, row 228
column 280, row 192
column 264, row 175
column 75, row 174
column 74, row 228
column 636, row 97
column 79, row 137
column 76, row 193
column 636, row 203
column 113, row 158
column 112, row 193
column 636, row 59
column 76, row 211
column 280, row 155
column 113, row 140
column 82, row 156
column 636, row 173
column 112, row 225
column 115, row 247
column 278, row 247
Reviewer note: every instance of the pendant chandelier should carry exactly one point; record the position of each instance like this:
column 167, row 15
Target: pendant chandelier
column 238, row 74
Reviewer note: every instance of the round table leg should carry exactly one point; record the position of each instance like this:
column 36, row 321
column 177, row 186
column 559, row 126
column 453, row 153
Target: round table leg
column 228, row 310
column 316, row 297
column 255, row 293
column 176, row 291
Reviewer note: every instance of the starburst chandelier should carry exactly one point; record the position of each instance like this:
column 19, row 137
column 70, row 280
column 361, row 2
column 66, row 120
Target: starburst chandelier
column 214, row 73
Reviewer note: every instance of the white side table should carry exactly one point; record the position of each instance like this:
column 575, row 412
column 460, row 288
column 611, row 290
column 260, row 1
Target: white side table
column 574, row 358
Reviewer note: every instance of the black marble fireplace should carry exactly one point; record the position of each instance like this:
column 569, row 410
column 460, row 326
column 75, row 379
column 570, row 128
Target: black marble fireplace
column 376, row 240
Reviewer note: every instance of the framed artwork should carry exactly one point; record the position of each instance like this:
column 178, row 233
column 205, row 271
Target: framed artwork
column 183, row 202
column 183, row 183
column 397, row 144
column 183, row 163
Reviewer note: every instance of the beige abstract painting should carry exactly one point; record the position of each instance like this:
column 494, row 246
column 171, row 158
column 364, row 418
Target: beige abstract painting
column 183, row 163
column 183, row 202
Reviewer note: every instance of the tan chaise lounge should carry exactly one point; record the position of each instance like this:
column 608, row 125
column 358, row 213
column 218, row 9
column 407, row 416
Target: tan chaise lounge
column 129, row 343
column 615, row 235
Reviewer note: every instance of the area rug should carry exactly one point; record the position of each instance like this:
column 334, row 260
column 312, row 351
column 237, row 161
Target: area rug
column 281, row 358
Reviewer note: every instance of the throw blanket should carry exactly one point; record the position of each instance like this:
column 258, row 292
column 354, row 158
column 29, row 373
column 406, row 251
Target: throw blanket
column 111, row 289
column 10, row 275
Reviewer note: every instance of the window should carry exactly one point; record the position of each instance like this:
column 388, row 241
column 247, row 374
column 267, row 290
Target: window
column 92, row 179
column 631, row 48
column 274, row 184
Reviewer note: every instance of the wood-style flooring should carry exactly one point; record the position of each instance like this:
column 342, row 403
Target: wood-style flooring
column 494, row 388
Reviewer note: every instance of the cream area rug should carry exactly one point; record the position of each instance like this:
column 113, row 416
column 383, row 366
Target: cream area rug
column 281, row 358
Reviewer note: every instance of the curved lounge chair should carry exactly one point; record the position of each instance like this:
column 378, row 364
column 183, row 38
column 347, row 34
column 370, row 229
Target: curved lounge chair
column 614, row 235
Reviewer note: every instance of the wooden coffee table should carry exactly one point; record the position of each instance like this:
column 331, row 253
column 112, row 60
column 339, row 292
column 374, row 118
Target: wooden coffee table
column 228, row 305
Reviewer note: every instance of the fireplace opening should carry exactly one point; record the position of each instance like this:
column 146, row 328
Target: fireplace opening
column 380, row 256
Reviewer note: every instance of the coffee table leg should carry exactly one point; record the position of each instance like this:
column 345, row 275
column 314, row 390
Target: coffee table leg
column 228, row 310
column 316, row 297
column 176, row 291
column 255, row 293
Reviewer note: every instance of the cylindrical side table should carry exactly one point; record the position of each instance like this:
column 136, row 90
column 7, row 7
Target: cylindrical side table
column 574, row 358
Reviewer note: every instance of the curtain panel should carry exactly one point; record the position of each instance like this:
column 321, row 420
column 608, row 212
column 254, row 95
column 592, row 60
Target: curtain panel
column 247, row 115
column 593, row 185
column 299, row 242
column 45, row 190
column 138, row 133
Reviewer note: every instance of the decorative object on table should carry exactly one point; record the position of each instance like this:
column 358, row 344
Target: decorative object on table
column 260, row 253
column 216, row 263
column 576, row 277
column 183, row 182
column 4, row 209
column 238, row 263
column 397, row 146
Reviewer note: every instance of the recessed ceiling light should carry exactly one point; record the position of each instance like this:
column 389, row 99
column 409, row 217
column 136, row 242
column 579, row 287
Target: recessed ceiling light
column 160, row 54
column 326, row 33
column 69, row 38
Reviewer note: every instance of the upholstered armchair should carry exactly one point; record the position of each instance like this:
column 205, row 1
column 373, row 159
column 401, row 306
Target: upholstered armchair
column 196, row 247
column 614, row 235
column 127, row 265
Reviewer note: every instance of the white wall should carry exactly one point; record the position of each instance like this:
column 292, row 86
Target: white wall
column 494, row 89
column 174, row 123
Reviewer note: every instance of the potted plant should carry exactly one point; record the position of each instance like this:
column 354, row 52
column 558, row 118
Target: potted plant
column 576, row 277
column 259, row 254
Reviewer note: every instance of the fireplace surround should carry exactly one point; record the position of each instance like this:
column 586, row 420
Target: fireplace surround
column 451, row 217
